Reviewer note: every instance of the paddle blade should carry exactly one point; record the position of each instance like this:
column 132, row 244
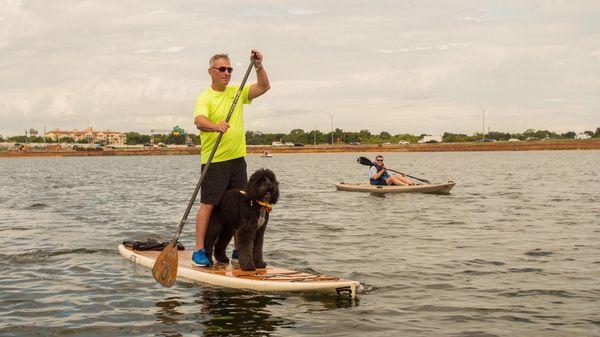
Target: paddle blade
column 165, row 267
column 364, row 161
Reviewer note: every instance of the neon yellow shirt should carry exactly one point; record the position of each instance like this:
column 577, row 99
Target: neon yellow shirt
column 215, row 106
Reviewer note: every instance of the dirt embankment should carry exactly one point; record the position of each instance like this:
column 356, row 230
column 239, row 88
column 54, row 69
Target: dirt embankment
column 590, row 144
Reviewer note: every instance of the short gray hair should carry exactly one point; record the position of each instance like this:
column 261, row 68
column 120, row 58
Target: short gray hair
column 215, row 57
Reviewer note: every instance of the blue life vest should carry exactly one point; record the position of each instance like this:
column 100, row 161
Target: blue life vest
column 382, row 178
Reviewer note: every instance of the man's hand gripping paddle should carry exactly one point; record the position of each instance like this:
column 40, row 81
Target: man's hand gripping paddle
column 165, row 267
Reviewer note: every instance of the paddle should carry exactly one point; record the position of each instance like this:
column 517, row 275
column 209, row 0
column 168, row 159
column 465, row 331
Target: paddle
column 165, row 267
column 368, row 162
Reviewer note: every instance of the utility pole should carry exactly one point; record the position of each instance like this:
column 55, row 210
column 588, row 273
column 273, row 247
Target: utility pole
column 331, row 116
column 90, row 131
column 483, row 126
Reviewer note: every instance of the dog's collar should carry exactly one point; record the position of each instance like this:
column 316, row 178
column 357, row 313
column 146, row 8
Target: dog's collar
column 264, row 205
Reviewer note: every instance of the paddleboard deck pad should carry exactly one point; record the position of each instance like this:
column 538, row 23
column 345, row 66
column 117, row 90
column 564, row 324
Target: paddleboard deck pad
column 269, row 279
column 425, row 188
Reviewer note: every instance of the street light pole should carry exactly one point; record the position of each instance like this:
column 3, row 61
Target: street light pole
column 483, row 126
column 331, row 116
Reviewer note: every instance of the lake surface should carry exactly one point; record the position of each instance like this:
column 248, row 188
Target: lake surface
column 514, row 250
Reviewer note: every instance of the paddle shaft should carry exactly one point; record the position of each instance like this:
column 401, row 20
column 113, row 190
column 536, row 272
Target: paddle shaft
column 212, row 154
column 404, row 174
column 387, row 169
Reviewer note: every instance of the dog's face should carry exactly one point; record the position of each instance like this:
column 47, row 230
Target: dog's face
column 263, row 186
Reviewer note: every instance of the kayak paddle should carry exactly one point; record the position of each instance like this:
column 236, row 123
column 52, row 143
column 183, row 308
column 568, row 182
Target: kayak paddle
column 368, row 162
column 165, row 267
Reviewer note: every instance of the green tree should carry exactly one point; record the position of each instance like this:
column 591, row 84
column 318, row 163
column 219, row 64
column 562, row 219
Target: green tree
column 132, row 138
column 254, row 138
column 351, row 137
column 315, row 136
column 406, row 137
column 35, row 139
column 338, row 135
column 517, row 136
column 498, row 135
column 385, row 135
column 455, row 137
column 194, row 139
column 173, row 139
column 17, row 139
column 569, row 135
column 297, row 136
column 545, row 134
column 597, row 133
column 364, row 136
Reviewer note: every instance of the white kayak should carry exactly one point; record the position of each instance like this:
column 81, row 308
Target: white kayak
column 425, row 188
column 269, row 279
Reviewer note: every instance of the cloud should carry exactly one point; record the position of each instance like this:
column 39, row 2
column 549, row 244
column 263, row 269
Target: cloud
column 442, row 47
column 61, row 105
column 173, row 49
column 301, row 12
column 420, row 65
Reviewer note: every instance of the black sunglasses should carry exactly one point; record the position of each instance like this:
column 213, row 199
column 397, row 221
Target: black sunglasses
column 222, row 69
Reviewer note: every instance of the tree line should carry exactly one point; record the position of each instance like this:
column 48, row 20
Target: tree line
column 339, row 136
column 299, row 136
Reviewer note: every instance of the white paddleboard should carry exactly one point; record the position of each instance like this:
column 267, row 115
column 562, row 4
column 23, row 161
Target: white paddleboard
column 270, row 279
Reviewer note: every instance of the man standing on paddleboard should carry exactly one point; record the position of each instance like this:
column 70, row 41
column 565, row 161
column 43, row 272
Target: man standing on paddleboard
column 228, row 167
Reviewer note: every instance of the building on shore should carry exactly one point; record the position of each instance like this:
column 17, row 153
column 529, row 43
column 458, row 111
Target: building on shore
column 88, row 135
column 430, row 139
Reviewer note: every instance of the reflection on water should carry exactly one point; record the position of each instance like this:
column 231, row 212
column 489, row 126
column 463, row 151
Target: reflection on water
column 167, row 315
column 225, row 313
column 232, row 312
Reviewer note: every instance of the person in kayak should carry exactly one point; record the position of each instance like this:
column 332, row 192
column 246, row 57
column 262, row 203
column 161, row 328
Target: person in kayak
column 228, row 169
column 379, row 176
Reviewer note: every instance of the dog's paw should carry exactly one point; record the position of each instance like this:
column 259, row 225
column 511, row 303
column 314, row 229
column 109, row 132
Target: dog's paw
column 223, row 260
column 247, row 267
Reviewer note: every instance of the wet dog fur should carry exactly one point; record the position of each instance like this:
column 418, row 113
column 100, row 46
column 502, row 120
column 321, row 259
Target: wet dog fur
column 240, row 214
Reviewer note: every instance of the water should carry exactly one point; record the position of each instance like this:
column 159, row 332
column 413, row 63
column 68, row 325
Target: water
column 513, row 251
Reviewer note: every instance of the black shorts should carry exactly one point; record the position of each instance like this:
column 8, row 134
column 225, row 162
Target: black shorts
column 223, row 176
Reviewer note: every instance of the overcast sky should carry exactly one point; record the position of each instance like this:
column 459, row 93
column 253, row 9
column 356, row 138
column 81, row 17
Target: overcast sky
column 398, row 66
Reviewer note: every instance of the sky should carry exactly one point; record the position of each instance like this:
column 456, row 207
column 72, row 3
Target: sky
column 413, row 67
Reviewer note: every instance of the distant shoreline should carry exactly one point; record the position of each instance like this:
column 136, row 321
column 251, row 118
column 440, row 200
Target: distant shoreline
column 588, row 144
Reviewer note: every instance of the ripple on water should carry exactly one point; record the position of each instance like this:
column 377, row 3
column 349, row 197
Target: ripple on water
column 36, row 206
column 538, row 292
column 496, row 255
column 42, row 255
column 539, row 252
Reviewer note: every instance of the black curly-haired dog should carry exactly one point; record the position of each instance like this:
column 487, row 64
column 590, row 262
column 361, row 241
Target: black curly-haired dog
column 245, row 214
